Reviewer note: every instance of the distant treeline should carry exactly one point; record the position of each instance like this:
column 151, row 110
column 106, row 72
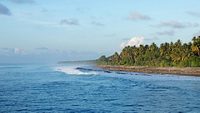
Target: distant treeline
column 78, row 62
column 176, row 54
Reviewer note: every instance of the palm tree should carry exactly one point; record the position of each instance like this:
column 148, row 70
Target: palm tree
column 196, row 45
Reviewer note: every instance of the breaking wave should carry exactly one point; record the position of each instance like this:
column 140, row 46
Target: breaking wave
column 72, row 70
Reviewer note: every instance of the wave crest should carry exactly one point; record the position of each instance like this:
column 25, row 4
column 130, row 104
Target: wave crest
column 73, row 71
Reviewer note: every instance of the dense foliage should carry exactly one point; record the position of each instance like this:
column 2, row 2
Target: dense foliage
column 176, row 54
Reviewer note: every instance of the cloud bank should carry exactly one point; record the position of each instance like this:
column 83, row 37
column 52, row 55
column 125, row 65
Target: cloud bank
column 4, row 10
column 135, row 41
column 12, row 50
column 23, row 1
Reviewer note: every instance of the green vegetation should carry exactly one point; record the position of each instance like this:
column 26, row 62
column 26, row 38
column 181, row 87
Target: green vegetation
column 176, row 54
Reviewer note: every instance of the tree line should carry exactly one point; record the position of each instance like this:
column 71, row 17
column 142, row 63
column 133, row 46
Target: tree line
column 176, row 54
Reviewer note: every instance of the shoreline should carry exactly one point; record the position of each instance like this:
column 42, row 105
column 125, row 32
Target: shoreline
column 186, row 71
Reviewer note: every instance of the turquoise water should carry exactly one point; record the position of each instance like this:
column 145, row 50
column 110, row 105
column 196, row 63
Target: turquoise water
column 81, row 88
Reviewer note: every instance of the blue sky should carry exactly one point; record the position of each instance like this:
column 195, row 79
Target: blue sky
column 52, row 30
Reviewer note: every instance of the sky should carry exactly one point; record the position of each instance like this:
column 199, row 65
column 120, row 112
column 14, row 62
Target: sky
column 55, row 30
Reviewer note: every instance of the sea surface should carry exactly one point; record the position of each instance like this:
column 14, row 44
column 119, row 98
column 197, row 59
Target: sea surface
column 75, row 88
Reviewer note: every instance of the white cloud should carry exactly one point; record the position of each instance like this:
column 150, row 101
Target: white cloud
column 135, row 41
column 12, row 51
column 18, row 50
column 197, row 34
column 69, row 22
column 42, row 48
column 138, row 16
column 177, row 25
column 169, row 33
column 97, row 23
column 195, row 14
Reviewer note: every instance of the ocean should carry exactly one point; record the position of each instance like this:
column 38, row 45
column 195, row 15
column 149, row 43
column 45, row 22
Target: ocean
column 83, row 88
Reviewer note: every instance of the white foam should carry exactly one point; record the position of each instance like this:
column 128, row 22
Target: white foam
column 73, row 71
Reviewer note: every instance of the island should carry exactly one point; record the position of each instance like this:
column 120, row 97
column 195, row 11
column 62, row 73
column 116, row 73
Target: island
column 168, row 58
